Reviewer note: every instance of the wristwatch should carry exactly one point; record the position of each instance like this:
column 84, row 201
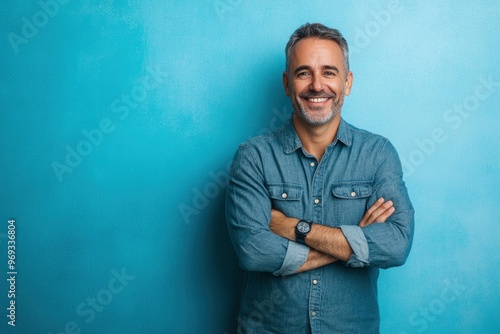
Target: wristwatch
column 301, row 229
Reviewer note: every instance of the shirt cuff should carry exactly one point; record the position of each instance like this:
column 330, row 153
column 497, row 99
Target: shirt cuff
column 295, row 257
column 357, row 240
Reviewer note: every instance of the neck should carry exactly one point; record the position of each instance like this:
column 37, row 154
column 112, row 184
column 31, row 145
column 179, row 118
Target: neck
column 315, row 139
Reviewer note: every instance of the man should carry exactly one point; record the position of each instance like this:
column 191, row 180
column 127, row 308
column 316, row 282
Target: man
column 317, row 207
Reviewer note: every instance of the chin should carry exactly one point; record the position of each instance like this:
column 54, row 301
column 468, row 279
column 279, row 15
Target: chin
column 316, row 120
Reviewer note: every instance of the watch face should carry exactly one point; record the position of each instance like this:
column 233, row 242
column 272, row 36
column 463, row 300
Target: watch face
column 303, row 227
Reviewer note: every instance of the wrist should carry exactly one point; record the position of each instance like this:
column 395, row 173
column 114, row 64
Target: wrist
column 302, row 229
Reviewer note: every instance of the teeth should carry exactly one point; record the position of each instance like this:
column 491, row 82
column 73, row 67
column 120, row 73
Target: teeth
column 321, row 99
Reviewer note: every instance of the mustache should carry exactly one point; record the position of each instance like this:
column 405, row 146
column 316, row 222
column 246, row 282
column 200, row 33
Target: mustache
column 313, row 94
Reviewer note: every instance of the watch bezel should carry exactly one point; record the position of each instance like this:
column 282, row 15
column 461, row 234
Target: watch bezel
column 300, row 226
column 299, row 235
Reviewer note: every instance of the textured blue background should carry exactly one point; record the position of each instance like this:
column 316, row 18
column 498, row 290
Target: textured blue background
column 147, row 197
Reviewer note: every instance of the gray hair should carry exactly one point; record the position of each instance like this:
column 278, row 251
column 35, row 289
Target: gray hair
column 317, row 30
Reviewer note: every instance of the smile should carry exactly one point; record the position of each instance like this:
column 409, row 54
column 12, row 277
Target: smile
column 317, row 99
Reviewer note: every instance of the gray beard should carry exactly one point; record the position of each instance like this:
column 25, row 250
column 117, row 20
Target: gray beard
column 316, row 121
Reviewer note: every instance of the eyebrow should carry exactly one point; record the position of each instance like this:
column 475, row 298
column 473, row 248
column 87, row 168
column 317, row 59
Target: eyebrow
column 324, row 67
column 331, row 67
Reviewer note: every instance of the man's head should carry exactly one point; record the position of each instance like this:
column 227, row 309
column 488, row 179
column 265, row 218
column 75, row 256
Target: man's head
column 317, row 75
column 317, row 30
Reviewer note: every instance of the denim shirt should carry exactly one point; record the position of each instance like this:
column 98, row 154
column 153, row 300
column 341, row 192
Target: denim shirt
column 275, row 171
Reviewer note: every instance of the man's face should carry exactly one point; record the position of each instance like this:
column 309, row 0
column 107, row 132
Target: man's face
column 317, row 82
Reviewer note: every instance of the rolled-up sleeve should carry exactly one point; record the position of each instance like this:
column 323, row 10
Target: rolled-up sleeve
column 385, row 244
column 248, row 213
column 356, row 239
column 295, row 257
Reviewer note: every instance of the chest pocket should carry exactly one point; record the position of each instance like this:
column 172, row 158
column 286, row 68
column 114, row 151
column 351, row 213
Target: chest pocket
column 286, row 197
column 350, row 201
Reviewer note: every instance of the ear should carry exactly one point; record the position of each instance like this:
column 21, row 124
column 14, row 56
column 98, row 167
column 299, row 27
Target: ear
column 286, row 83
column 348, row 83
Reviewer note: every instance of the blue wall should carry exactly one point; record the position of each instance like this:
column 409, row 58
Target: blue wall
column 118, row 121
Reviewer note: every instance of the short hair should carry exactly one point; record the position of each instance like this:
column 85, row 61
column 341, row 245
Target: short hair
column 320, row 31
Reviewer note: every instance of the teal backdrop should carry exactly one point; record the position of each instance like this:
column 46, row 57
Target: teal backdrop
column 118, row 121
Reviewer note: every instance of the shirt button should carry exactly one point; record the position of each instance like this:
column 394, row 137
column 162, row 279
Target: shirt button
column 353, row 194
column 312, row 164
column 316, row 201
column 315, row 281
column 284, row 195
column 313, row 313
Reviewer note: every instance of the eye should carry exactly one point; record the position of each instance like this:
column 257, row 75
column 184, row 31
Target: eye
column 330, row 73
column 302, row 74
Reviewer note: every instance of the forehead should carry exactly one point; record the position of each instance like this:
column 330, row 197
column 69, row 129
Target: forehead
column 315, row 51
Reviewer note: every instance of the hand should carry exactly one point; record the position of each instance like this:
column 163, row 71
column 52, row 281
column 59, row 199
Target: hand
column 378, row 212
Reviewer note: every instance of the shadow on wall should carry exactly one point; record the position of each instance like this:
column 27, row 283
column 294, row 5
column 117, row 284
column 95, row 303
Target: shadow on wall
column 214, row 271
column 228, row 275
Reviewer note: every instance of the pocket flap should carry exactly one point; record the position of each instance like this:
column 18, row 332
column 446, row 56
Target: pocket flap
column 285, row 191
column 352, row 190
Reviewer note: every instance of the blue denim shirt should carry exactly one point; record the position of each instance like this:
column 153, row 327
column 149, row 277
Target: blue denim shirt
column 275, row 171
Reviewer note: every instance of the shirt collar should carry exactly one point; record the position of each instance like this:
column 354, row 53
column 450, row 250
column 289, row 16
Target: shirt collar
column 291, row 140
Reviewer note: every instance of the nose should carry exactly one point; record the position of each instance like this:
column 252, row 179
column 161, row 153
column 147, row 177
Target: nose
column 316, row 83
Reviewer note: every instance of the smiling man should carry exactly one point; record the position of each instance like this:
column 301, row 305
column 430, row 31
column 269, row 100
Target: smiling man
column 324, row 93
column 317, row 207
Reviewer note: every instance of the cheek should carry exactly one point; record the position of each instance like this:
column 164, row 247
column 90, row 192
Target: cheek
column 338, row 88
column 299, row 87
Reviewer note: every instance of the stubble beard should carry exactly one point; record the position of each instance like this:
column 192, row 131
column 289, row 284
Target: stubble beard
column 315, row 117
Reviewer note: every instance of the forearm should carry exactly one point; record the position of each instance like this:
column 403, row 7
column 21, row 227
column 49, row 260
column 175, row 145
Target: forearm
column 316, row 259
column 330, row 241
column 327, row 240
column 381, row 245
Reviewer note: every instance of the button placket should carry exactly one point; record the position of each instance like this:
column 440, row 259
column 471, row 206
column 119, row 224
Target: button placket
column 315, row 300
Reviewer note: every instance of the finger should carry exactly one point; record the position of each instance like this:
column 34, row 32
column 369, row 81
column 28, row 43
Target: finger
column 382, row 218
column 379, row 214
column 365, row 220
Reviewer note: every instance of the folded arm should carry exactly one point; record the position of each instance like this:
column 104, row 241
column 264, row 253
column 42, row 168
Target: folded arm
column 248, row 212
column 367, row 243
column 384, row 245
column 327, row 244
